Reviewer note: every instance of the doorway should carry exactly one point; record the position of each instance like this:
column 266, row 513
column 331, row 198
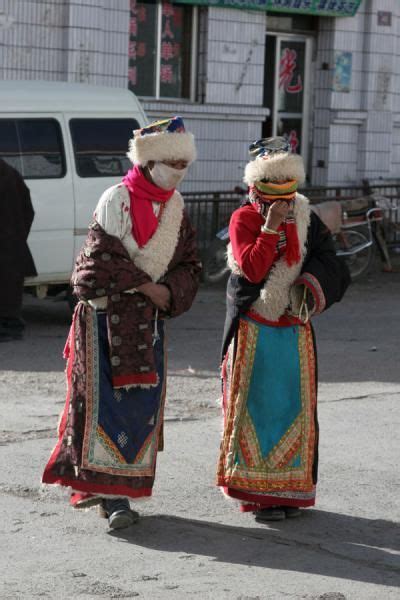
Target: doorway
column 287, row 83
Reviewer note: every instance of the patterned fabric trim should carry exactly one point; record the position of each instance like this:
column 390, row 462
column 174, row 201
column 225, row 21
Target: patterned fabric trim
column 254, row 501
column 274, row 473
column 99, row 453
column 107, row 444
column 64, row 467
column 94, row 488
column 68, row 353
column 313, row 285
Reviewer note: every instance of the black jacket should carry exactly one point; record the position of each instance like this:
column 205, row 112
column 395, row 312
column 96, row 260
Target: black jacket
column 16, row 217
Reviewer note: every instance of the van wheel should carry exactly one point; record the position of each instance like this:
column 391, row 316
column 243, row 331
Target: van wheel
column 71, row 299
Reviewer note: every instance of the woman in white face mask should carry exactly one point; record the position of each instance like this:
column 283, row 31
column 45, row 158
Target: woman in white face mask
column 139, row 266
column 166, row 174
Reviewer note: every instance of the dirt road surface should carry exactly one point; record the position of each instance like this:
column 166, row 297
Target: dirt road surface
column 190, row 541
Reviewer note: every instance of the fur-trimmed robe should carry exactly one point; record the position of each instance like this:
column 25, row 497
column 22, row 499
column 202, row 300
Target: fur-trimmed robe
column 104, row 268
column 324, row 274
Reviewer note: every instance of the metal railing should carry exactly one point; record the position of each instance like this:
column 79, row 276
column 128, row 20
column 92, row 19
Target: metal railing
column 210, row 211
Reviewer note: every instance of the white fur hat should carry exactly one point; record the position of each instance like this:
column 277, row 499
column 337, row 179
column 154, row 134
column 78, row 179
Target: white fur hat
column 162, row 140
column 273, row 162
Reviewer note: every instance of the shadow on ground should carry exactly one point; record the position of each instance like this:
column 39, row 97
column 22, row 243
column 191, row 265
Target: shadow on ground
column 47, row 325
column 319, row 543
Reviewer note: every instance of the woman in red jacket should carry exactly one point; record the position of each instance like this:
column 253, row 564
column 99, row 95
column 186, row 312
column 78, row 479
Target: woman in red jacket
column 284, row 270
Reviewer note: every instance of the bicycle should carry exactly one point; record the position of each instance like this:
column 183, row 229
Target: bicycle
column 357, row 247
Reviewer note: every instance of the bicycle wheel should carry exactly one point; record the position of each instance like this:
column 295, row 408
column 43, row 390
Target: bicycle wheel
column 360, row 261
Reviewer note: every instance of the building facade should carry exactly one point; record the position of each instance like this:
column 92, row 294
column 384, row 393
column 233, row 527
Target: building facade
column 330, row 83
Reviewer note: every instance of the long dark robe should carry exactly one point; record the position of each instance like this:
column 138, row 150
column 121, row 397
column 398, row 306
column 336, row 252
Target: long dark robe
column 16, row 217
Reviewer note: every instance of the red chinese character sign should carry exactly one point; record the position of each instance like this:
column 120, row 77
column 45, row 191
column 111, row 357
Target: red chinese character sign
column 167, row 55
column 288, row 80
column 142, row 47
column 291, row 77
column 286, row 89
column 171, row 51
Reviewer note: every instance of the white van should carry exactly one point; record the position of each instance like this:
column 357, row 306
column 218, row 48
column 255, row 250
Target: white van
column 69, row 142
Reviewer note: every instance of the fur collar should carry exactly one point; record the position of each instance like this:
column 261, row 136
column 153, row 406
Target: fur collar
column 156, row 255
column 275, row 295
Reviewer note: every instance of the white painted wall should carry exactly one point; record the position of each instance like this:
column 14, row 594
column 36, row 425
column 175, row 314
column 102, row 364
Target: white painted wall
column 222, row 135
column 357, row 133
column 75, row 40
column 87, row 41
column 235, row 62
column 231, row 69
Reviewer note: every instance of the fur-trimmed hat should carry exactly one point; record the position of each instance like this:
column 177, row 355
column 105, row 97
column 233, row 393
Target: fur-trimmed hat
column 162, row 140
column 273, row 162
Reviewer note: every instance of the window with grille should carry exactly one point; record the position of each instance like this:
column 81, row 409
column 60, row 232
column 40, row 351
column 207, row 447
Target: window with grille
column 162, row 47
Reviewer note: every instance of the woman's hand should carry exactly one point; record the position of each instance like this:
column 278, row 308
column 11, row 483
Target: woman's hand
column 158, row 293
column 277, row 213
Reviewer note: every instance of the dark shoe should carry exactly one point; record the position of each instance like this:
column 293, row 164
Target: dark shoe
column 272, row 513
column 292, row 512
column 119, row 513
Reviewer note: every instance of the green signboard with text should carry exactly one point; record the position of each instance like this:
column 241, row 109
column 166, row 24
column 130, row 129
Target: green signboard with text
column 327, row 8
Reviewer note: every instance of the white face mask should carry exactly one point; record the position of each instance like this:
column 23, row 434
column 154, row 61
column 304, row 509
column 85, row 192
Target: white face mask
column 166, row 177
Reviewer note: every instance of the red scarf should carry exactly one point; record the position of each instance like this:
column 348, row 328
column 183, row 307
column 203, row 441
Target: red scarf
column 142, row 194
column 260, row 202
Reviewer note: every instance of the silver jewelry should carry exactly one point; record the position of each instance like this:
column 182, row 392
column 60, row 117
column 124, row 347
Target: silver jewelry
column 266, row 229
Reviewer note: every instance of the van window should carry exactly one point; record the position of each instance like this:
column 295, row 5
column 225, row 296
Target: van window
column 33, row 146
column 100, row 146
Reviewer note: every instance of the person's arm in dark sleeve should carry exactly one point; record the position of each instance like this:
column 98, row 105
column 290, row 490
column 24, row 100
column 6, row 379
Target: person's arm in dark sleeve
column 103, row 267
column 183, row 280
column 324, row 275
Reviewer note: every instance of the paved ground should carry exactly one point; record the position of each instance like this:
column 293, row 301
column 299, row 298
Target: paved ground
column 190, row 541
